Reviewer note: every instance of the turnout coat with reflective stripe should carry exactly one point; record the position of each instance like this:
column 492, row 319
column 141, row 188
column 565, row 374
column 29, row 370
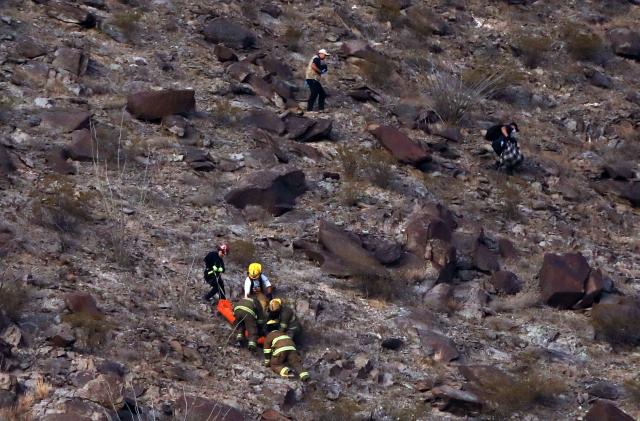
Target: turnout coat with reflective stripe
column 277, row 342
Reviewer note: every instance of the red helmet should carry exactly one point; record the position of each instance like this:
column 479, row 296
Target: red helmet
column 224, row 248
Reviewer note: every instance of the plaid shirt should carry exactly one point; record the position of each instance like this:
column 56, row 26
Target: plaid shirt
column 511, row 155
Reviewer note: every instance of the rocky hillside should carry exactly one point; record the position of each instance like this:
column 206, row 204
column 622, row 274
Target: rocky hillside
column 138, row 134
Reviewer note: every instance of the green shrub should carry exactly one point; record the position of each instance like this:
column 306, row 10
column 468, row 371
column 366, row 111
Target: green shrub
column 242, row 252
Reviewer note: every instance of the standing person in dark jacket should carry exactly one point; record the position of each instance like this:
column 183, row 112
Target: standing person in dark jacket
column 503, row 138
column 315, row 69
column 214, row 268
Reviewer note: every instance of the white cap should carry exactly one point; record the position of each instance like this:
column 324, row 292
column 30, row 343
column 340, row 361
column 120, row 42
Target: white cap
column 323, row 51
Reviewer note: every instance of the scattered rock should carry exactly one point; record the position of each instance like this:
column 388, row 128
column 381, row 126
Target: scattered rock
column 364, row 94
column 439, row 347
column 505, row 282
column 620, row 171
column 153, row 105
column 57, row 160
column 625, row 42
column 189, row 407
column 82, row 147
column 320, row 130
column 603, row 410
column 106, row 390
column 401, row 146
column 65, row 120
column 60, row 335
column 273, row 190
column 604, row 390
column 347, row 249
column 70, row 14
column 33, row 74
column 82, row 302
column 230, row 33
column 29, row 48
column 224, row 54
column 272, row 10
column 438, row 297
column 392, row 343
column 72, row 60
column 599, row 79
column 484, row 259
column 563, row 279
column 265, row 120
column 239, row 71
column 457, row 401
column 176, row 124
column 273, row 415
column 199, row 160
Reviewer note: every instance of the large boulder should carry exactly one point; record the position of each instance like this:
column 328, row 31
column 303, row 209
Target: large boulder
column 625, row 42
column 153, row 105
column 567, row 279
column 274, row 190
column 347, row 248
column 401, row 146
column 83, row 302
column 603, row 410
column 360, row 49
column 484, row 259
column 432, row 221
column 72, row 60
column 82, row 147
column 438, row 346
column 320, row 130
column 276, row 67
column 505, row 282
column 230, row 33
column 65, row 120
column 68, row 13
column 224, row 54
column 29, row 48
column 196, row 408
column 265, row 120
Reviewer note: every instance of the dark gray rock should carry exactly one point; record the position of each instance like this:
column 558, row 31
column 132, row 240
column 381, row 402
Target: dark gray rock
column 230, row 33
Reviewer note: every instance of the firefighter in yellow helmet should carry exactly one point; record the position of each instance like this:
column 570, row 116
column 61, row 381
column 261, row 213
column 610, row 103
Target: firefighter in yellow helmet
column 280, row 353
column 258, row 285
column 285, row 315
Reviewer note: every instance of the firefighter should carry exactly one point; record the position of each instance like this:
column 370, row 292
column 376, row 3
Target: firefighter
column 214, row 268
column 280, row 353
column 285, row 315
column 249, row 315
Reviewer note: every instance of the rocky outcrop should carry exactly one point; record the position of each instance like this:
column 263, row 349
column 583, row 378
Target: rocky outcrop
column 68, row 13
column 439, row 347
column 364, row 94
column 603, row 410
column 401, row 146
column 29, row 48
column 484, row 259
column 273, row 190
column 567, row 281
column 505, row 282
column 65, row 120
column 153, row 105
column 265, row 120
column 625, row 42
column 83, row 302
column 230, row 33
column 72, row 60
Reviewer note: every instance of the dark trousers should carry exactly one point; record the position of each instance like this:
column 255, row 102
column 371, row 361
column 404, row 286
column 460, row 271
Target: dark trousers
column 316, row 92
column 217, row 287
column 246, row 322
column 289, row 359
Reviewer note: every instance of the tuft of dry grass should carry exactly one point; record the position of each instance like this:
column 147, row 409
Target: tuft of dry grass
column 374, row 166
column 62, row 209
column 518, row 302
column 507, row 393
column 14, row 295
column 532, row 49
column 632, row 387
column 617, row 324
column 584, row 45
column 128, row 23
column 42, row 389
column 292, row 38
column 376, row 286
column 378, row 72
column 94, row 330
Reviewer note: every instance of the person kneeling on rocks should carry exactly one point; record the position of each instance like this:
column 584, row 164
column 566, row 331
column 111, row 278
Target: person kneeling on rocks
column 280, row 353
column 285, row 315
column 503, row 138
column 256, row 284
column 248, row 314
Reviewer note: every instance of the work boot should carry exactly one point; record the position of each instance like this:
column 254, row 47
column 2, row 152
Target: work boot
column 304, row 376
column 252, row 346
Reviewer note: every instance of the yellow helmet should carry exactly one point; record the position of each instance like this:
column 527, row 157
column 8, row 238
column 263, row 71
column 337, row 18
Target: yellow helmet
column 255, row 269
column 272, row 325
column 275, row 304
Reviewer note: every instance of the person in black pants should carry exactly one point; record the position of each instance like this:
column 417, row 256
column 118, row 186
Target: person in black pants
column 315, row 70
column 214, row 268
column 503, row 138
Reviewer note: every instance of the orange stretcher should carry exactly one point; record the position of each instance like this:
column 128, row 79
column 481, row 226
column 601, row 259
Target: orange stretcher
column 225, row 308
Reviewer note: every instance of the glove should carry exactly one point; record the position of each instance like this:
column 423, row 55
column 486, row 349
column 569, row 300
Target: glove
column 267, row 363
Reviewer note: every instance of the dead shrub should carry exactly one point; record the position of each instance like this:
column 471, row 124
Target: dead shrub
column 632, row 388
column 376, row 286
column 351, row 195
column 62, row 208
column 128, row 23
column 242, row 252
column 20, row 411
column 388, row 11
column 452, row 98
column 225, row 114
column 94, row 331
column 510, row 198
column 349, row 161
column 14, row 295
column 420, row 21
column 619, row 325
column 507, row 393
column 584, row 45
column 378, row 72
column 117, row 243
column 516, row 303
column 374, row 166
column 532, row 49
column 292, row 38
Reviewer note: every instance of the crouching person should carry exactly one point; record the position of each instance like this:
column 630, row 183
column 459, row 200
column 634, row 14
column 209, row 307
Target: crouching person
column 503, row 138
column 280, row 353
column 248, row 314
column 285, row 315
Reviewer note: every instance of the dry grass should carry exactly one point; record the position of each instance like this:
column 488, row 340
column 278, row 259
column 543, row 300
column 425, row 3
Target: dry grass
column 20, row 411
column 62, row 209
column 532, row 49
column 225, row 114
column 292, row 38
column 518, row 302
column 619, row 325
column 508, row 393
column 128, row 23
column 379, row 72
column 388, row 11
column 632, row 387
column 94, row 330
column 584, row 45
column 242, row 252
column 351, row 194
column 373, row 166
column 452, row 97
column 377, row 286
column 14, row 295
column 42, row 389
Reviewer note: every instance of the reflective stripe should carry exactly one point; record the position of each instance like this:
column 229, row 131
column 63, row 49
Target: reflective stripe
column 283, row 325
column 284, row 371
column 304, row 374
column 283, row 349
column 275, row 341
column 267, row 351
column 247, row 309
column 252, row 343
